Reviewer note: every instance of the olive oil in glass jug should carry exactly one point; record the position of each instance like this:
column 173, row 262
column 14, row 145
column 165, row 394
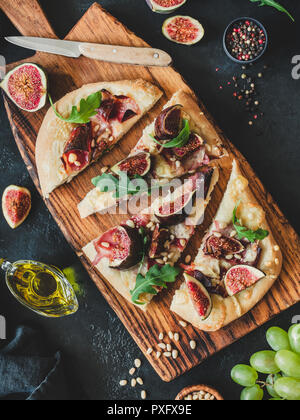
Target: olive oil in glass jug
column 41, row 288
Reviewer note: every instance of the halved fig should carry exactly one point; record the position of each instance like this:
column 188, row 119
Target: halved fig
column 165, row 6
column 183, row 30
column 200, row 297
column 241, row 277
column 26, row 86
column 122, row 245
column 139, row 164
column 195, row 143
column 176, row 208
column 160, row 237
column 168, row 123
column 16, row 205
column 222, row 246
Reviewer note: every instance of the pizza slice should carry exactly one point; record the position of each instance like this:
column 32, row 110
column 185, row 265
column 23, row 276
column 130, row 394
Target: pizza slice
column 138, row 257
column 237, row 264
column 180, row 141
column 87, row 123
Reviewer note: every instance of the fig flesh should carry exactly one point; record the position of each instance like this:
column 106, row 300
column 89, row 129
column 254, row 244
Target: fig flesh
column 165, row 6
column 26, row 86
column 167, row 124
column 195, row 143
column 183, row 30
column 160, row 237
column 241, row 277
column 139, row 164
column 122, row 245
column 222, row 246
column 200, row 297
column 16, row 205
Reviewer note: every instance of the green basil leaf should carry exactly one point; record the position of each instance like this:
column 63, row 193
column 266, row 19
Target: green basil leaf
column 87, row 109
column 180, row 141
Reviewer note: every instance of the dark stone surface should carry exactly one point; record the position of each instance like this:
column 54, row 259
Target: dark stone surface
column 99, row 350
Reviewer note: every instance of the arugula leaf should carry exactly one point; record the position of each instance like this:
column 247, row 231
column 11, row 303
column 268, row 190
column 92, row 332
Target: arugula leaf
column 156, row 277
column 275, row 4
column 87, row 109
column 121, row 186
column 249, row 234
column 179, row 141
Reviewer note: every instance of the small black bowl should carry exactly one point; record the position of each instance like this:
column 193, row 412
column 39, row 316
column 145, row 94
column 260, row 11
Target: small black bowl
column 225, row 40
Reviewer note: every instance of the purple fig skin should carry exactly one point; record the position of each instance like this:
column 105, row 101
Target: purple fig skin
column 167, row 124
column 155, row 7
column 134, row 252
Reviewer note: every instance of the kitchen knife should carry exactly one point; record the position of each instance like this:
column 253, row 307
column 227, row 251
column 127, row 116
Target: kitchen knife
column 110, row 53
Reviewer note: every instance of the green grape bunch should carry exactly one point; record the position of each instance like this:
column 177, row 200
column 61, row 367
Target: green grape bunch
column 281, row 365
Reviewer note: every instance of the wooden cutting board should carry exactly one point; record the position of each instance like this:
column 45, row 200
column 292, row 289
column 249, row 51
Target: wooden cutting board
column 66, row 74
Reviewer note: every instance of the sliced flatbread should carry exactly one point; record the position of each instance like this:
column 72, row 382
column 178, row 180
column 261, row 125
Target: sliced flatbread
column 55, row 133
column 124, row 280
column 164, row 167
column 227, row 309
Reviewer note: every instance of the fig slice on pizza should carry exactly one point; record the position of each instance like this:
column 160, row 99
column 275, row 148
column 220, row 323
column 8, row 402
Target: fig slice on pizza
column 138, row 257
column 87, row 123
column 180, row 141
column 237, row 264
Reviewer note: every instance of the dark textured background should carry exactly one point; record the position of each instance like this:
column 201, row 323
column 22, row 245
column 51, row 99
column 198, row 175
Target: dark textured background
column 98, row 350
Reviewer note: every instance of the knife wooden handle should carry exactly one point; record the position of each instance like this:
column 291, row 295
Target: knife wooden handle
column 28, row 17
column 126, row 55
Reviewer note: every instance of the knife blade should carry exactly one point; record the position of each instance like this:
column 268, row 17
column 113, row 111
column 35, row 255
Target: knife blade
column 111, row 53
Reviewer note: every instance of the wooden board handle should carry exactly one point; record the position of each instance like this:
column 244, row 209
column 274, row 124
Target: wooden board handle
column 28, row 17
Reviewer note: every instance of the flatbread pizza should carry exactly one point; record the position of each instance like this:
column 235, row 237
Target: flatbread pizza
column 64, row 149
column 125, row 259
column 237, row 264
column 195, row 145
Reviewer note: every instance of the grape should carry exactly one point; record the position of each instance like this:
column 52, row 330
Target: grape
column 244, row 375
column 294, row 336
column 289, row 363
column 278, row 339
column 254, row 393
column 288, row 388
column 271, row 379
column 264, row 362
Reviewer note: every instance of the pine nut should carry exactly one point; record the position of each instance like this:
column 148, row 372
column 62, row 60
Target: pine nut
column 150, row 350
column 276, row 248
column 133, row 383
column 123, row 383
column 169, row 347
column 171, row 335
column 140, row 381
column 183, row 324
column 162, row 345
column 132, row 371
column 176, row 337
column 167, row 354
column 137, row 363
column 188, row 259
column 175, row 354
column 193, row 344
column 130, row 223
column 161, row 336
column 158, row 354
column 143, row 395
column 105, row 244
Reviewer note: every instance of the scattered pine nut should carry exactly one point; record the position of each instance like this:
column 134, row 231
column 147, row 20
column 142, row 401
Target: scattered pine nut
column 169, row 347
column 130, row 223
column 176, row 337
column 150, row 350
column 175, row 354
column 276, row 248
column 132, row 371
column 167, row 354
column 137, row 363
column 162, row 345
column 193, row 344
column 161, row 336
column 123, row 383
column 158, row 354
column 143, row 395
column 183, row 324
column 171, row 335
column 140, row 381
column 133, row 383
